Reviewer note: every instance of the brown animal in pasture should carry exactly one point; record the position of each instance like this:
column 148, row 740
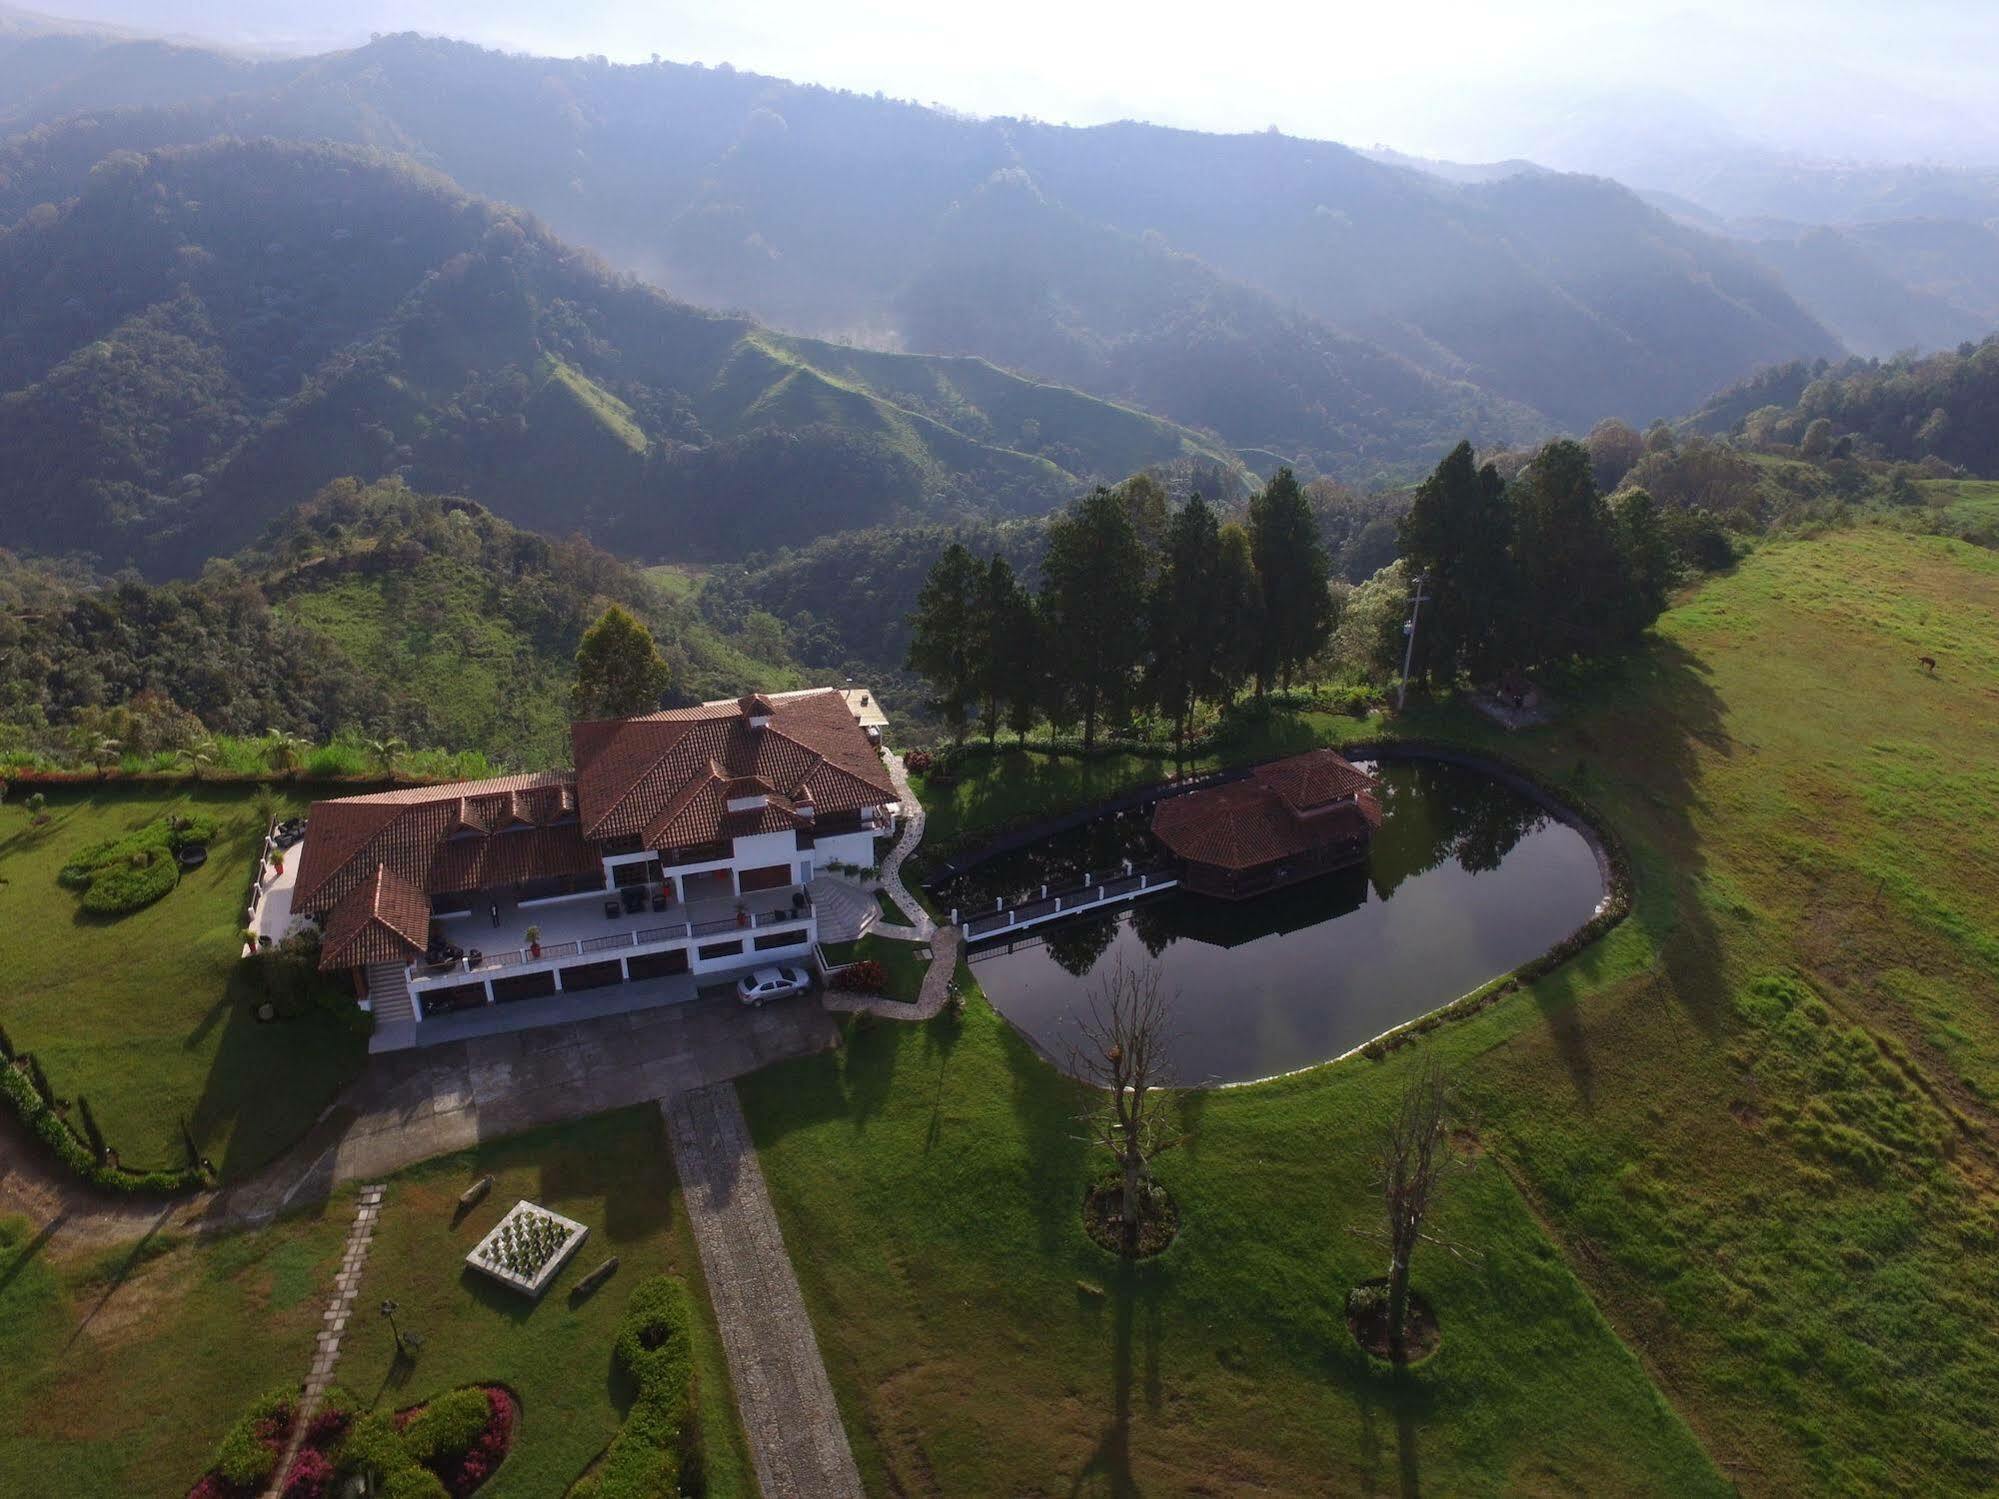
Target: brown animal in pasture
column 1928, row 664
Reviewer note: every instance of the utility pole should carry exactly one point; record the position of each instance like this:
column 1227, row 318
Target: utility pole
column 1409, row 630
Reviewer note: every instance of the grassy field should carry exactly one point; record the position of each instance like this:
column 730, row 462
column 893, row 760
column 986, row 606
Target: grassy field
column 136, row 1016
column 614, row 1174
column 980, row 1344
column 120, row 1370
column 1751, row 1128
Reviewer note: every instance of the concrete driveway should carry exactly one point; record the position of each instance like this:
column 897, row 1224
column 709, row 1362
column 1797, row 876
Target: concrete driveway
column 411, row 1105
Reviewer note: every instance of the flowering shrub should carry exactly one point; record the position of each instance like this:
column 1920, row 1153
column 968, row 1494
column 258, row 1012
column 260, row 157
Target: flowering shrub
column 312, row 1476
column 249, row 1454
column 864, row 977
column 918, row 761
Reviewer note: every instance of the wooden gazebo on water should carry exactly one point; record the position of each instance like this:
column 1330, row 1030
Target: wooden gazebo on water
column 1285, row 822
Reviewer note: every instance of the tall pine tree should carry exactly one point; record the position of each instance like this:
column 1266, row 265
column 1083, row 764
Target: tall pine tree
column 1293, row 570
column 1187, row 647
column 1092, row 599
column 1571, row 571
column 945, row 635
column 1459, row 534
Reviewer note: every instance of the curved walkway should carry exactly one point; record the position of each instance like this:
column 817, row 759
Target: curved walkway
column 945, row 944
column 912, row 834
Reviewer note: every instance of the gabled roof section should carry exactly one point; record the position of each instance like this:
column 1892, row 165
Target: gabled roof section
column 1316, row 778
column 667, row 778
column 440, row 839
column 1252, row 822
column 383, row 919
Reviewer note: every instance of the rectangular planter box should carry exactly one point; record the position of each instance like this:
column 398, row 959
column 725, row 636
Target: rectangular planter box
column 530, row 1285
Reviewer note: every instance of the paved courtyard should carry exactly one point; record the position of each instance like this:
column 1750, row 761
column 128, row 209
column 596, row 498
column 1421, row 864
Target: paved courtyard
column 412, row 1105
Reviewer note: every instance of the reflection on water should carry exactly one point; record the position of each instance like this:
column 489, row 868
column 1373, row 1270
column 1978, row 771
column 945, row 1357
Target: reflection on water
column 1466, row 880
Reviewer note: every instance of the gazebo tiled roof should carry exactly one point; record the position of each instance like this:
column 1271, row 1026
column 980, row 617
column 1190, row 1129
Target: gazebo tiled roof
column 1278, row 812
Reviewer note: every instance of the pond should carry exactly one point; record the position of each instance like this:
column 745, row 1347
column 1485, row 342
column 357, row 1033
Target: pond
column 1467, row 879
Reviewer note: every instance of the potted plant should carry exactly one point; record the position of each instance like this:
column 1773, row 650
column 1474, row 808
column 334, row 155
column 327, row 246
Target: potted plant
column 533, row 939
column 742, row 914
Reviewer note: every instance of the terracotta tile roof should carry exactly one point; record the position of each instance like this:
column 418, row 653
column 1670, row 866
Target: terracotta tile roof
column 442, row 839
column 383, row 919
column 666, row 778
column 1313, row 779
column 1252, row 822
column 647, row 777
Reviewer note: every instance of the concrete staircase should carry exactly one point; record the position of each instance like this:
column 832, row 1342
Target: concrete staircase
column 389, row 995
column 846, row 912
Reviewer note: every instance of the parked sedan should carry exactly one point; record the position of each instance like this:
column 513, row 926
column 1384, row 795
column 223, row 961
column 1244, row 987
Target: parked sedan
column 764, row 984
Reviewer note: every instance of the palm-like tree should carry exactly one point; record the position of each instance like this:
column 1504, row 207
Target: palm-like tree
column 384, row 753
column 106, row 753
column 196, row 757
column 285, row 753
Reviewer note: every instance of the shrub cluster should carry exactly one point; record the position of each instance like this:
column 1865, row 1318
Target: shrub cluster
column 443, row 1449
column 864, row 977
column 248, row 1455
column 658, row 1449
column 123, row 874
column 52, row 1130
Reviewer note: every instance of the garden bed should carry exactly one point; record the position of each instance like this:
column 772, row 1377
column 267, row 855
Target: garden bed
column 1103, row 1219
column 527, row 1248
column 1367, row 1320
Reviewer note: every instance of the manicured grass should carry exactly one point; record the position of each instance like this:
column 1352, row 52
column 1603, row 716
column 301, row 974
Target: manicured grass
column 980, row 1344
column 1754, row 1123
column 905, row 969
column 614, row 1174
column 121, row 1369
column 891, row 912
column 138, row 1016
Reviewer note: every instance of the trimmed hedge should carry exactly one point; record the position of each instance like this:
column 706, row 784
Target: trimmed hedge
column 447, row 1426
column 658, row 1449
column 53, row 1131
column 121, row 875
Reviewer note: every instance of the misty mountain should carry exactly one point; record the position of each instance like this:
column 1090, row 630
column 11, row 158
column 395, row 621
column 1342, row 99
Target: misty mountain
column 1869, row 298
column 839, row 216
column 209, row 334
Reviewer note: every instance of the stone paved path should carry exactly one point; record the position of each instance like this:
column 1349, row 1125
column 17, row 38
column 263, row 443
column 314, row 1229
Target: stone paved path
column 796, row 1440
column 945, row 944
column 912, row 834
column 326, row 1348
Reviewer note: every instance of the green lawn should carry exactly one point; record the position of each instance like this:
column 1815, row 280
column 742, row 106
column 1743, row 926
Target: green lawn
column 1751, row 1127
column 905, row 969
column 136, row 1016
column 120, row 1370
column 980, row 1344
column 613, row 1173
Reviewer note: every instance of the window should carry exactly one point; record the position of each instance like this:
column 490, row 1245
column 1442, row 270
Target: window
column 720, row 949
column 770, row 877
column 781, row 939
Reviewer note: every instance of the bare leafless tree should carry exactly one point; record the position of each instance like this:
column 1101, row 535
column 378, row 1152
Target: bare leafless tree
column 1415, row 1157
column 1122, row 1052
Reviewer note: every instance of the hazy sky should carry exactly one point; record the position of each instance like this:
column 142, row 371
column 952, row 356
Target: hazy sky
column 1873, row 78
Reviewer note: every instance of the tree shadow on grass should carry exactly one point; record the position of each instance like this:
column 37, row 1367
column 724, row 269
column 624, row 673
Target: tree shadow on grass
column 1136, row 1296
column 1049, row 1108
column 1644, row 750
column 268, row 1081
column 1404, row 1398
column 29, row 1250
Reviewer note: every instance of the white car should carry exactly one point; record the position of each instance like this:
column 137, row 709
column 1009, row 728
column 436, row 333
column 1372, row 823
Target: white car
column 766, row 984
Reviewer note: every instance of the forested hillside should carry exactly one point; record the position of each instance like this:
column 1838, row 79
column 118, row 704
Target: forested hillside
column 1939, row 407
column 840, row 215
column 209, row 334
column 369, row 611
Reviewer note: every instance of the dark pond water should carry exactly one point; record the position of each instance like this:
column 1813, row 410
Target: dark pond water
column 1467, row 879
